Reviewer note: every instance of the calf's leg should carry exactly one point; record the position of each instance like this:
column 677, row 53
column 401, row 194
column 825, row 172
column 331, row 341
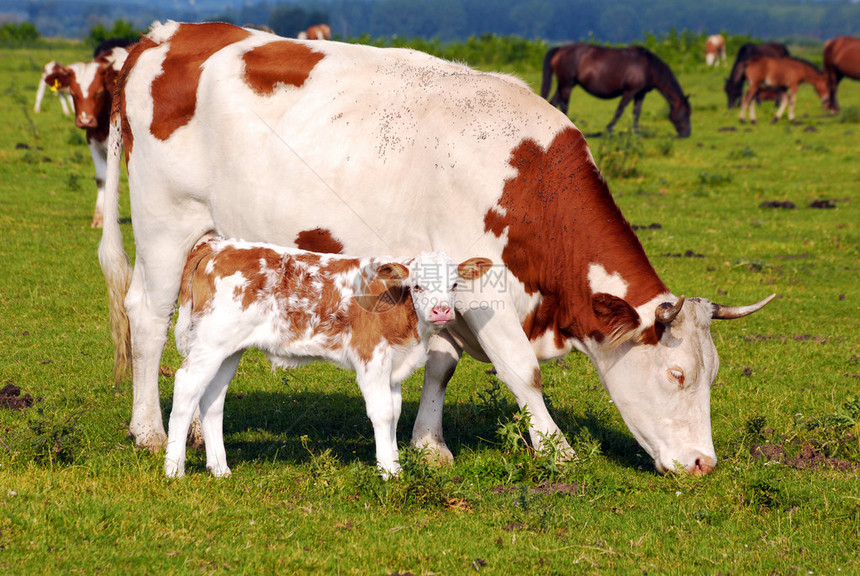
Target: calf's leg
column 212, row 416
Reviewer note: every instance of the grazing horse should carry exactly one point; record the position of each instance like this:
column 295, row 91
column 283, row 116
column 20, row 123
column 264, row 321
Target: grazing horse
column 841, row 59
column 715, row 50
column 787, row 73
column 608, row 73
column 734, row 86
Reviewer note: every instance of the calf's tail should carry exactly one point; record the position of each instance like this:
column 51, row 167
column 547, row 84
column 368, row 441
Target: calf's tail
column 112, row 255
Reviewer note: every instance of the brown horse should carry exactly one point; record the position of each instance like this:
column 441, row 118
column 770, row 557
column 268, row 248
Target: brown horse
column 787, row 73
column 841, row 59
column 735, row 82
column 612, row 72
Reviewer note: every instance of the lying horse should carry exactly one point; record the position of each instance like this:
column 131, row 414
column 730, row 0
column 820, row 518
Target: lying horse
column 841, row 58
column 787, row 73
column 734, row 86
column 612, row 72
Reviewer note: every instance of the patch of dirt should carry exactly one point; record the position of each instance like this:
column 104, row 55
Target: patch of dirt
column 786, row 204
column 10, row 397
column 654, row 226
column 822, row 204
column 796, row 338
column 727, row 129
column 807, row 459
column 546, row 487
column 687, row 254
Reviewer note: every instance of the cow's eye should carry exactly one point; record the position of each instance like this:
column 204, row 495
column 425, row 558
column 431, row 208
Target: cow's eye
column 454, row 287
column 677, row 374
column 418, row 288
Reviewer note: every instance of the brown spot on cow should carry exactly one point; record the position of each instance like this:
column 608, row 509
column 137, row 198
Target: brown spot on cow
column 283, row 62
column 319, row 240
column 174, row 92
column 119, row 104
column 560, row 218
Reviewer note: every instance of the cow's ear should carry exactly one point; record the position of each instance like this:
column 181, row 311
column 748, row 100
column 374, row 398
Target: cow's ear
column 61, row 77
column 392, row 271
column 474, row 268
column 618, row 319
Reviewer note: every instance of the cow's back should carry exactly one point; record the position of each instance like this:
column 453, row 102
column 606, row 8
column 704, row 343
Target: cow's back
column 390, row 151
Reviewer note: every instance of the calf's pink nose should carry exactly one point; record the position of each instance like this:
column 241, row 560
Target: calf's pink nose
column 440, row 314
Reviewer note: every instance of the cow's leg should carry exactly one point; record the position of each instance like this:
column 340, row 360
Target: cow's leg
column 98, row 151
column 443, row 355
column 625, row 100
column 374, row 379
column 150, row 302
column 65, row 102
column 501, row 336
column 212, row 416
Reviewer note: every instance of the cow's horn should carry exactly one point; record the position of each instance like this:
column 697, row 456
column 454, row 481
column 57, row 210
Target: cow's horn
column 730, row 312
column 666, row 312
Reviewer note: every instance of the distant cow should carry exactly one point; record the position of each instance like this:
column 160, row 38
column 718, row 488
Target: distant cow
column 317, row 32
column 90, row 85
column 734, row 86
column 62, row 93
column 715, row 49
column 371, row 315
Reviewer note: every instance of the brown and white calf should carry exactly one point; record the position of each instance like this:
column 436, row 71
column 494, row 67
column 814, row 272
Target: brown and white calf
column 90, row 85
column 371, row 315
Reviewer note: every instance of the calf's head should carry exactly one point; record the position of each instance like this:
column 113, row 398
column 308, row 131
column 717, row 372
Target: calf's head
column 430, row 280
column 660, row 378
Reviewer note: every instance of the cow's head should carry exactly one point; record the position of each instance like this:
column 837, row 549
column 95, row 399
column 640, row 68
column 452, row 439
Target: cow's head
column 660, row 378
column 90, row 85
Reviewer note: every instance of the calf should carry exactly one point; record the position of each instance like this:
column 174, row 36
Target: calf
column 91, row 85
column 371, row 315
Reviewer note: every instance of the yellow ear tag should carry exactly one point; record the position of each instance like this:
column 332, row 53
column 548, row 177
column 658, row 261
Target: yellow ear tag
column 56, row 85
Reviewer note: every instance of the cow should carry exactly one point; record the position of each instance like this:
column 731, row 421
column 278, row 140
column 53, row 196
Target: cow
column 715, row 50
column 90, row 85
column 315, row 32
column 371, row 315
column 341, row 148
column 62, row 93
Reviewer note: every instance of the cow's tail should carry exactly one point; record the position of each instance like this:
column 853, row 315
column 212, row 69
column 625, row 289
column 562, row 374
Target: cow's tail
column 546, row 82
column 112, row 256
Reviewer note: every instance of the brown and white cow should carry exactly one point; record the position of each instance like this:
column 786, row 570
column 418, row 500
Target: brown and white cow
column 371, row 315
column 315, row 32
column 90, row 85
column 336, row 147
column 715, row 50
column 62, row 93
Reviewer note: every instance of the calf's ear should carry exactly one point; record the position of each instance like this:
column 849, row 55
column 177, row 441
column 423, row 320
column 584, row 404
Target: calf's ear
column 474, row 268
column 392, row 271
column 61, row 77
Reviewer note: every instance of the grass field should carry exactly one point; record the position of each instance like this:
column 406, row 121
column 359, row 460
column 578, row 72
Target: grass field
column 732, row 214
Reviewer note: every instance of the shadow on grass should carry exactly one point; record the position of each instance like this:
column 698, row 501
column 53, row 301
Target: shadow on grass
column 268, row 426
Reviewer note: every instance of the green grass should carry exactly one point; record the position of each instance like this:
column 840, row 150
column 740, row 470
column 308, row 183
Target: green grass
column 304, row 497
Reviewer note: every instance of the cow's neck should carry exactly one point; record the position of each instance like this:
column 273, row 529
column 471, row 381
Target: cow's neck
column 567, row 239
